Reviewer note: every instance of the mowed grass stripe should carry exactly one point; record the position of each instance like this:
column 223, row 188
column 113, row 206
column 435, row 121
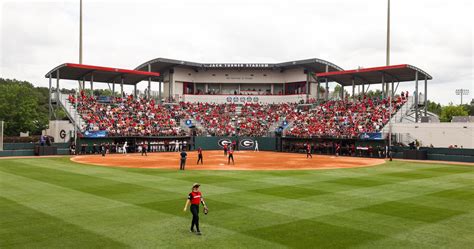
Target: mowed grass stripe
column 21, row 226
column 250, row 209
column 131, row 224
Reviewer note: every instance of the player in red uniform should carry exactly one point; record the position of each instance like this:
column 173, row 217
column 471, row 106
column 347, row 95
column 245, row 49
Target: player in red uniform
column 199, row 155
column 195, row 199
column 225, row 149
column 308, row 151
column 231, row 156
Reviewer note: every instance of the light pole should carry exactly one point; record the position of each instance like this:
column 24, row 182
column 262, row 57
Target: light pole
column 462, row 92
column 388, row 33
column 80, row 31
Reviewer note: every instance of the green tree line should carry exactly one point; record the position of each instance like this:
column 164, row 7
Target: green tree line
column 24, row 107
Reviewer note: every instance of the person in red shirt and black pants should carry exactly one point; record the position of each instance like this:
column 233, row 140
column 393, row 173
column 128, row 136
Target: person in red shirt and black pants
column 195, row 198
column 308, row 151
column 231, row 156
column 199, row 156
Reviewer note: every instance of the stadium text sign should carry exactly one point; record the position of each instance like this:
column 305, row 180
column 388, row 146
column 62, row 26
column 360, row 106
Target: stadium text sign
column 237, row 65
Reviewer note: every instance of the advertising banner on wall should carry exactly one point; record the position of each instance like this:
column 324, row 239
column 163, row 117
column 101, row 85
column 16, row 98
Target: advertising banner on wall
column 371, row 136
column 95, row 134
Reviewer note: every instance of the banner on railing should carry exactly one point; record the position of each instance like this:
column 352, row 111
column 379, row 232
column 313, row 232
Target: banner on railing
column 371, row 136
column 95, row 134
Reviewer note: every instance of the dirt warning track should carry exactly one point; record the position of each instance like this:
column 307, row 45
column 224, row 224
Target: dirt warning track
column 215, row 160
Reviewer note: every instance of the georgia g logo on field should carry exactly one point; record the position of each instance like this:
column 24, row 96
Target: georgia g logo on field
column 247, row 143
column 223, row 142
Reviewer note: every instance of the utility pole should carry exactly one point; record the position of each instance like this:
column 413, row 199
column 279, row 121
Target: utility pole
column 388, row 34
column 80, row 32
column 389, row 150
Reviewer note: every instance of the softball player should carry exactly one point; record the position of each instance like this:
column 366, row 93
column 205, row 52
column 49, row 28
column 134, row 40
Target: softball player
column 199, row 155
column 231, row 156
column 308, row 151
column 195, row 199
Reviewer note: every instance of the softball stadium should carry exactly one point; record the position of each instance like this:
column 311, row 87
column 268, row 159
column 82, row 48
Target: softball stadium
column 293, row 154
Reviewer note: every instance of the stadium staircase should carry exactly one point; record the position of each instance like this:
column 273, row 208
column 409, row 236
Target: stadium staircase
column 70, row 109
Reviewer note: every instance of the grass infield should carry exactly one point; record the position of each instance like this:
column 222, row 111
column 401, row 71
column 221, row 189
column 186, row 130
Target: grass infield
column 55, row 203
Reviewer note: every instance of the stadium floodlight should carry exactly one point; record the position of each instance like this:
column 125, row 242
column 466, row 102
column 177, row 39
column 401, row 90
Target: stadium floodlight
column 462, row 92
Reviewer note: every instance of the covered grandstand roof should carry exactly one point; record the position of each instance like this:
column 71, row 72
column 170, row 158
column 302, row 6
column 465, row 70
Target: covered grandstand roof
column 71, row 71
column 395, row 73
column 163, row 64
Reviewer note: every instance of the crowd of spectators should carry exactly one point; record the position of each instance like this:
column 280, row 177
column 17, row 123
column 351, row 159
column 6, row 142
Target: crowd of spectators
column 129, row 116
column 343, row 118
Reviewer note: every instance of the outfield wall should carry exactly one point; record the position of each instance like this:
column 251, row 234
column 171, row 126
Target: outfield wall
column 440, row 154
column 244, row 143
column 438, row 134
column 28, row 149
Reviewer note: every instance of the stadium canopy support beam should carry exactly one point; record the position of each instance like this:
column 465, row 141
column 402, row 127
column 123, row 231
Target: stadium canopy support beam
column 342, row 92
column 135, row 91
column 383, row 86
column 159, row 91
column 363, row 89
column 92, row 83
column 121, row 87
column 113, row 88
column 426, row 96
column 416, row 97
column 317, row 89
column 392, row 91
column 307, row 86
column 353, row 89
column 149, row 82
column 49, row 97
column 326, row 93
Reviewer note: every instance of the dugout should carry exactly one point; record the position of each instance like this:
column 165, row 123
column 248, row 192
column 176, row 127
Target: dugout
column 91, row 145
column 327, row 146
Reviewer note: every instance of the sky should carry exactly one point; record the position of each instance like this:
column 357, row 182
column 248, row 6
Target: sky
column 434, row 35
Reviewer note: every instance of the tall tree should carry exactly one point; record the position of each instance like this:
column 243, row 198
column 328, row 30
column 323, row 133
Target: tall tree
column 22, row 107
column 448, row 112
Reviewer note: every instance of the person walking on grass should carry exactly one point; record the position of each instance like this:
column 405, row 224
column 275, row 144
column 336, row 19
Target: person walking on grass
column 195, row 199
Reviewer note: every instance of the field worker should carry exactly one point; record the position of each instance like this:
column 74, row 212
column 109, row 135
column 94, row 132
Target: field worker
column 256, row 145
column 195, row 199
column 182, row 163
column 231, row 156
column 199, row 150
column 124, row 148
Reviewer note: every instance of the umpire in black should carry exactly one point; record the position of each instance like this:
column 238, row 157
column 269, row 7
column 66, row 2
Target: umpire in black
column 182, row 163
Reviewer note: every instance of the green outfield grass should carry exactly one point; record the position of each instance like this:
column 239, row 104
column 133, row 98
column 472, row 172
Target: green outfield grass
column 54, row 203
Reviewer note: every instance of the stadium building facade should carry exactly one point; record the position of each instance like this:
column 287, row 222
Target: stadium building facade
column 239, row 82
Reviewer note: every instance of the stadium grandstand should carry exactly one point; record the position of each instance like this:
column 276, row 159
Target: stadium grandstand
column 283, row 105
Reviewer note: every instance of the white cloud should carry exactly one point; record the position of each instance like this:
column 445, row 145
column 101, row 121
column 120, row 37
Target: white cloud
column 435, row 35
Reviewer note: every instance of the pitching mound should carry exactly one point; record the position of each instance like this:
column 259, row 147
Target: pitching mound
column 215, row 160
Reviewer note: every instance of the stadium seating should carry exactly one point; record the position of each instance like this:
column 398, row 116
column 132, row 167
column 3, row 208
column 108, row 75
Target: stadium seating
column 141, row 117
